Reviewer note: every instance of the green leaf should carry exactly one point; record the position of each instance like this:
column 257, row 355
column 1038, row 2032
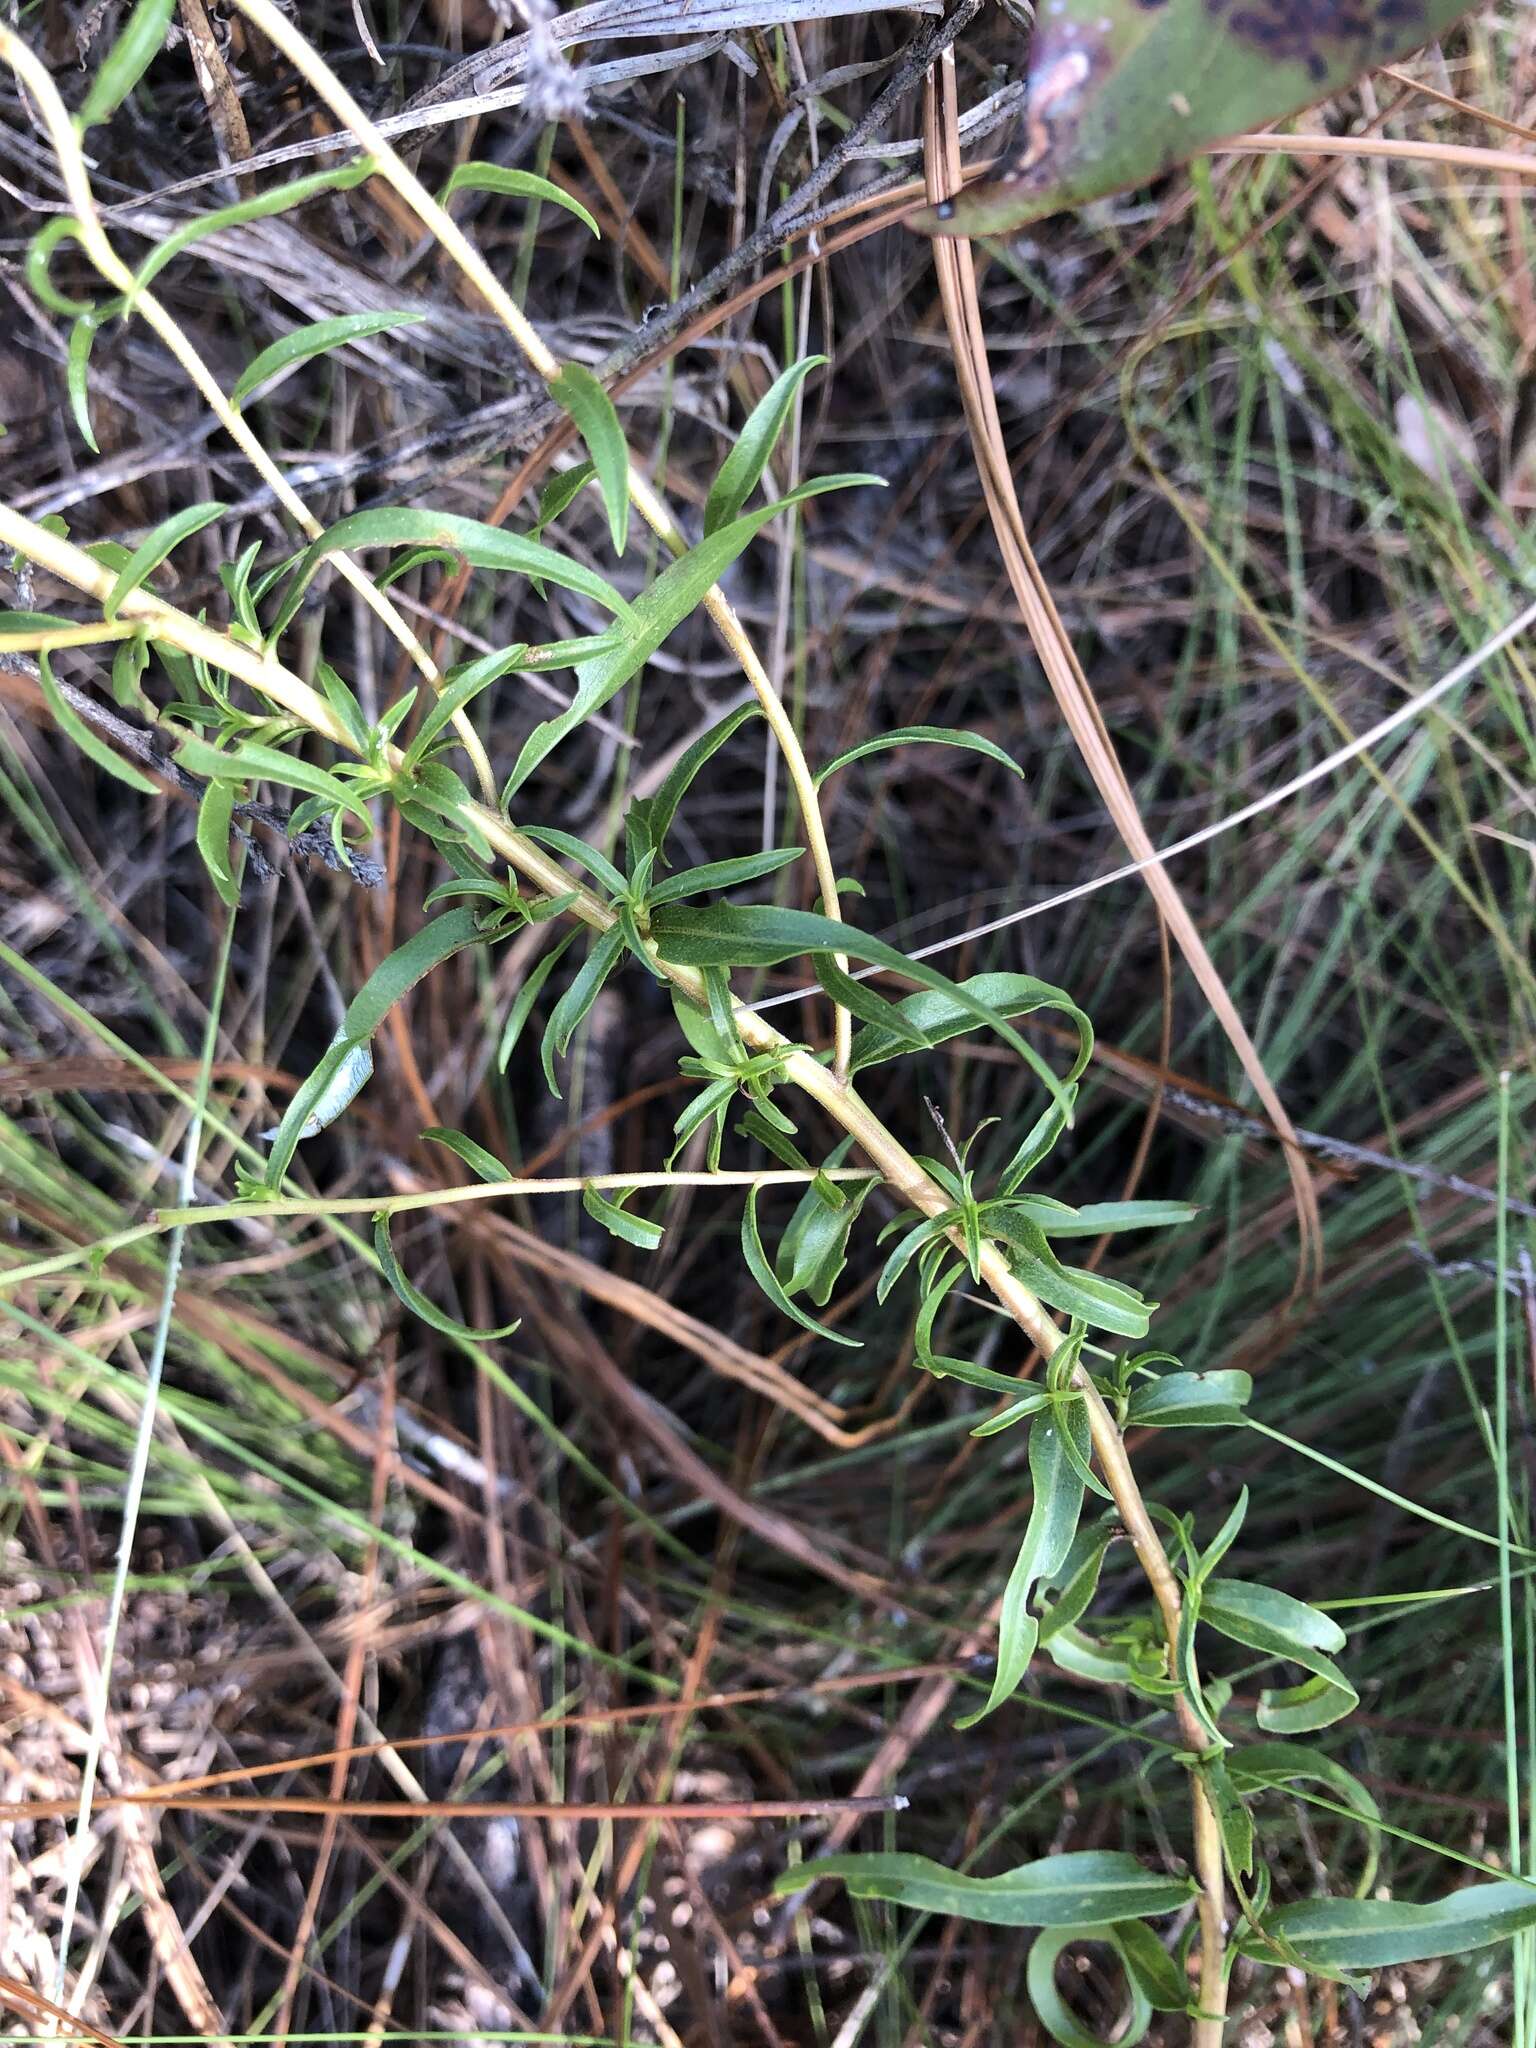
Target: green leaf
column 269, row 764
column 1095, row 1662
column 940, row 1016
column 762, row 1272
column 743, row 467
column 1266, row 1766
column 563, row 488
column 63, row 227
column 1378, row 1934
column 761, row 935
column 723, row 874
column 155, row 546
column 1053, row 1519
column 912, row 735
column 435, row 1318
column 460, row 687
column 1094, row 1219
column 1149, row 1966
column 484, row 1165
column 1041, row 1138
column 214, row 815
column 1121, row 91
column 618, row 1222
column 1232, row 1815
column 317, row 339
column 480, row 545
column 580, row 394
column 1222, row 1542
column 671, row 598
column 82, row 336
column 393, row 978
column 1264, row 1618
column 128, row 665
column 578, row 999
column 658, row 812
column 925, row 1231
column 347, row 1068
column 340, row 178
column 343, row 702
column 1078, row 1577
column 480, row 176
column 1189, row 1400
column 597, row 865
column 19, row 630
column 712, row 1033
column 1052, row 2010
column 90, row 742
column 526, row 997
column 136, row 48
column 1101, row 1303
column 814, row 1248
column 1084, row 1886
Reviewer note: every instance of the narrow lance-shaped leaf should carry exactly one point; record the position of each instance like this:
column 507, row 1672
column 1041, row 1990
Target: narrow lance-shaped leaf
column 484, row 1165
column 270, row 764
column 82, row 336
column 583, row 397
column 939, row 1016
column 1264, row 1618
column 723, row 874
column 1189, row 1400
column 155, row 546
column 742, row 469
column 814, row 1247
column 479, row 176
column 1095, row 1219
column 578, row 999
column 340, row 178
column 393, row 978
column 482, row 546
column 413, row 1298
column 317, row 339
column 1121, row 91
column 655, row 815
column 526, row 997
column 214, row 815
column 671, row 598
column 761, row 935
column 90, row 743
column 1085, row 1885
column 759, row 1266
column 1379, row 1934
column 1102, row 1303
column 562, row 490
column 1053, row 1519
column 925, row 735
column 136, row 48
column 618, row 1222
column 464, row 683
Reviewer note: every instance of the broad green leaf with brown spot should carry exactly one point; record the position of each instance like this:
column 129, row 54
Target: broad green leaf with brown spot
column 1121, row 91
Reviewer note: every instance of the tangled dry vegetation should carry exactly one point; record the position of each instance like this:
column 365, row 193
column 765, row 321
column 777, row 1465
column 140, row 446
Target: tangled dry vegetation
column 1270, row 427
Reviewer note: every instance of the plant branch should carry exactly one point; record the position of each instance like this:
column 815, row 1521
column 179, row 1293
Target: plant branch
column 307, row 62
column 952, row 259
column 98, row 246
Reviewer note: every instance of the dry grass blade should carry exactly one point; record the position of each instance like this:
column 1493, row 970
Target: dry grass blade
column 1069, row 684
